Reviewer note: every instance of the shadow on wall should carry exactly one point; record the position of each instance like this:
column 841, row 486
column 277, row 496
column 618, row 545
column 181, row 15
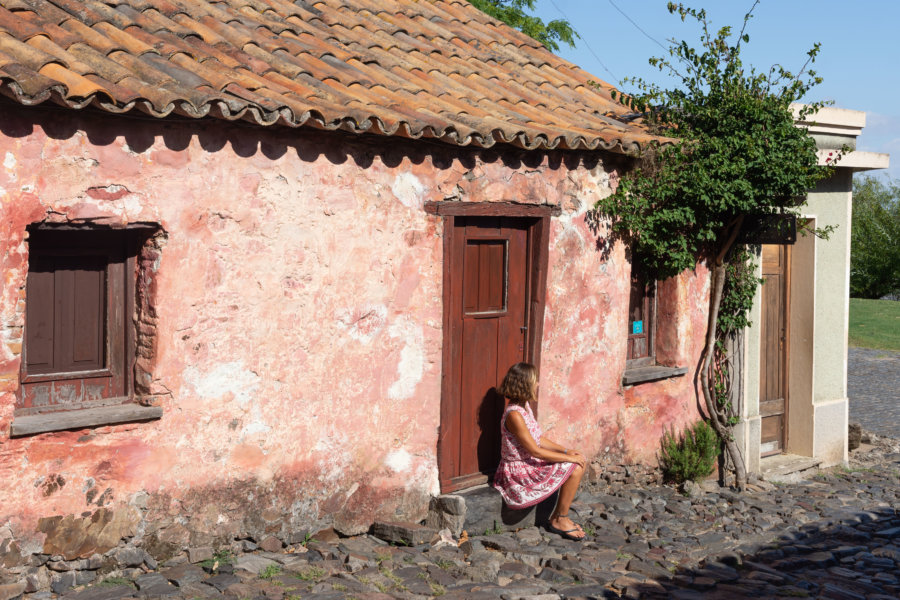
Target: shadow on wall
column 489, row 414
column 247, row 140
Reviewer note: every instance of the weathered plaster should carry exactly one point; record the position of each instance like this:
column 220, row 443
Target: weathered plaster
column 296, row 323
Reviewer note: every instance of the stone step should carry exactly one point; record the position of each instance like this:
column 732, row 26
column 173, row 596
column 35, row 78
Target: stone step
column 788, row 468
column 481, row 509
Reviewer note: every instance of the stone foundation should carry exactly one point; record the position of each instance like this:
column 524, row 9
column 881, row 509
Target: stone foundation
column 130, row 540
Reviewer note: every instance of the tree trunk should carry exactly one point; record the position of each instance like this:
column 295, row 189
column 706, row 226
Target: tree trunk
column 718, row 415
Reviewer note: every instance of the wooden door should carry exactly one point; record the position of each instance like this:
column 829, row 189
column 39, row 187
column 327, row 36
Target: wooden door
column 490, row 277
column 773, row 386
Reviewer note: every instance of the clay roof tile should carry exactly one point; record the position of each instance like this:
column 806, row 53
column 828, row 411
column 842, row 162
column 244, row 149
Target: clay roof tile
column 76, row 85
column 34, row 87
column 18, row 27
column 47, row 12
column 94, row 38
column 25, row 54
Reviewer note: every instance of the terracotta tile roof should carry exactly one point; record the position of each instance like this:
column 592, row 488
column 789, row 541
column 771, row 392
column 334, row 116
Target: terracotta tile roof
column 414, row 68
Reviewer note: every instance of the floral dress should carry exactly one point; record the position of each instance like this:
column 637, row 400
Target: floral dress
column 522, row 479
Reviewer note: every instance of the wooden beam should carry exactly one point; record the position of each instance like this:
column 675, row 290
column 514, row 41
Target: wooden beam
column 491, row 209
column 82, row 418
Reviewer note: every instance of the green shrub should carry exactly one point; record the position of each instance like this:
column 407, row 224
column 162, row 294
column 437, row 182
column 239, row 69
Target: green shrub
column 691, row 455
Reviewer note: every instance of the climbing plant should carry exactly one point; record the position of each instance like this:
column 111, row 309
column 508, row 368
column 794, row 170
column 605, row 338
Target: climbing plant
column 732, row 151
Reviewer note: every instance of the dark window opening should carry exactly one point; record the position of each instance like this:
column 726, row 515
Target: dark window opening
column 641, row 317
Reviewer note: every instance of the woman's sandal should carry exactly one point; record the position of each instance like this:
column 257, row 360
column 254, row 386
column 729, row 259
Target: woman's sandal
column 567, row 533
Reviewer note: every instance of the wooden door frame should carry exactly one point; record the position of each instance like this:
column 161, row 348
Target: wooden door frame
column 538, row 253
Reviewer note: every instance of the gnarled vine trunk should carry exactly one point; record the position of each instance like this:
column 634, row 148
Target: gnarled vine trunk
column 718, row 415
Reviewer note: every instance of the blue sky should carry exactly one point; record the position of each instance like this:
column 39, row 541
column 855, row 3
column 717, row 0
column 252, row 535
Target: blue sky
column 859, row 60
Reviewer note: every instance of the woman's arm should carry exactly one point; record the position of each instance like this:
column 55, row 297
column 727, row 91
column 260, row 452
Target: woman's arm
column 551, row 445
column 515, row 423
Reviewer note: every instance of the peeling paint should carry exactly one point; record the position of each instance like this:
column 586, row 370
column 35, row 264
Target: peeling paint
column 398, row 461
column 411, row 365
column 228, row 378
column 408, row 189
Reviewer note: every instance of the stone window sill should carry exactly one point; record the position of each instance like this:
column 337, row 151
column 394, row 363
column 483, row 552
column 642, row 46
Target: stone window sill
column 644, row 374
column 82, row 418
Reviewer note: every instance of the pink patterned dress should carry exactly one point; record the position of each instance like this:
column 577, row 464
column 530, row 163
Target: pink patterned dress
column 522, row 479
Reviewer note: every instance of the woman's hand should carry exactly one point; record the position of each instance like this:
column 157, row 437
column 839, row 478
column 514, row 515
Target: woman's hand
column 577, row 458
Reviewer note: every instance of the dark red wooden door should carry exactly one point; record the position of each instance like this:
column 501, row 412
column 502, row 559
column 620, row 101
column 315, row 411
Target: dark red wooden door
column 773, row 348
column 490, row 313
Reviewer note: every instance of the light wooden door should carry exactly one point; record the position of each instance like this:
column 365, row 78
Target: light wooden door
column 773, row 386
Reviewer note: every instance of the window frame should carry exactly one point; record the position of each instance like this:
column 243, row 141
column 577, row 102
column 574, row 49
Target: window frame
column 120, row 249
column 645, row 369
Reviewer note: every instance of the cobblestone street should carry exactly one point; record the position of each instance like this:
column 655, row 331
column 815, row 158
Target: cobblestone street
column 873, row 386
column 836, row 535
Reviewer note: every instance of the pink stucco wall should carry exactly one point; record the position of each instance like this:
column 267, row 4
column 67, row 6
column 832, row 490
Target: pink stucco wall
column 298, row 299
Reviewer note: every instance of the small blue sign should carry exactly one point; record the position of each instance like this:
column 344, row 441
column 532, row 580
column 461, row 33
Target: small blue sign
column 637, row 327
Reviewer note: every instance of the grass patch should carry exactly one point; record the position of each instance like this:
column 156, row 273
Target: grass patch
column 875, row 324
column 221, row 557
column 270, row 571
column 310, row 574
column 113, row 581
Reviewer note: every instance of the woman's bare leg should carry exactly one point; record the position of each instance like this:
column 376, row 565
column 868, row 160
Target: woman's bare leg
column 559, row 518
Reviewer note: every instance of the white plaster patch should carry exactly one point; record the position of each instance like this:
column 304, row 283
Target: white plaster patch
column 398, row 461
column 426, row 476
column 335, row 459
column 226, row 378
column 411, row 367
column 409, row 190
column 9, row 161
column 256, row 425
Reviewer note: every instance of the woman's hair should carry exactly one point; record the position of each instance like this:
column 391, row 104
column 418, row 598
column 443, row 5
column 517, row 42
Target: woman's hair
column 518, row 385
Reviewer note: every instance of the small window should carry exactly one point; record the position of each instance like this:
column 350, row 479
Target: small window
column 645, row 361
column 641, row 317
column 78, row 350
column 485, row 286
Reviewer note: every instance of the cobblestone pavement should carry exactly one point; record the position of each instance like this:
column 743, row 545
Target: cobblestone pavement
column 836, row 535
column 873, row 386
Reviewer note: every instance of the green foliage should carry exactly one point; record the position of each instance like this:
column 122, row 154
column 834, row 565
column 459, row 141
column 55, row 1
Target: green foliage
column 221, row 557
column 737, row 294
column 513, row 13
column 270, row 571
column 691, row 455
column 493, row 530
column 735, row 152
column 875, row 239
column 875, row 324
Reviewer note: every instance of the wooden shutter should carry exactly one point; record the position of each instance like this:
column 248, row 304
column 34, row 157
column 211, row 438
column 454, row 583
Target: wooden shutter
column 77, row 309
